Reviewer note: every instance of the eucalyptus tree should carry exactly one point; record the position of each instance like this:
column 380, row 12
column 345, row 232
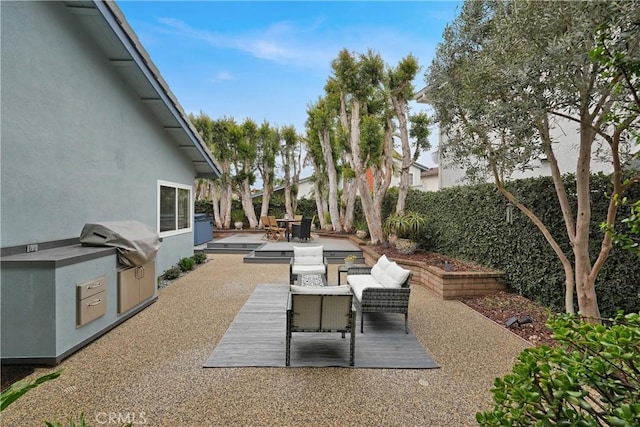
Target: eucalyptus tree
column 268, row 145
column 342, row 156
column 214, row 135
column 399, row 84
column 503, row 76
column 320, row 127
column 315, row 158
column 246, row 153
column 358, row 78
column 290, row 154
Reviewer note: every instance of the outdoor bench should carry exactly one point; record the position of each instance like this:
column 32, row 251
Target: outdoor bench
column 381, row 288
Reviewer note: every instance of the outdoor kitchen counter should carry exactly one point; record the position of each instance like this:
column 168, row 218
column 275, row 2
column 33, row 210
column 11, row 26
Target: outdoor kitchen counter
column 57, row 257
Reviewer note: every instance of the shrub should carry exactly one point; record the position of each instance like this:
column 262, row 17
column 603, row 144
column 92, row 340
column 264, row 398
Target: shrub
column 17, row 390
column 199, row 257
column 172, row 273
column 408, row 225
column 186, row 264
column 469, row 222
column 72, row 423
column 591, row 379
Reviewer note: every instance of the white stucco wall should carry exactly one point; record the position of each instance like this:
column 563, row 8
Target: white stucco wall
column 77, row 145
column 566, row 137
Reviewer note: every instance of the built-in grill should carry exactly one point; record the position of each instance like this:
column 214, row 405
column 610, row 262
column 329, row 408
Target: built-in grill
column 136, row 242
column 137, row 245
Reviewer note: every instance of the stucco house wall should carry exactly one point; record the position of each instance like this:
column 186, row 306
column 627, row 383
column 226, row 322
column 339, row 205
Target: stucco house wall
column 89, row 133
column 78, row 145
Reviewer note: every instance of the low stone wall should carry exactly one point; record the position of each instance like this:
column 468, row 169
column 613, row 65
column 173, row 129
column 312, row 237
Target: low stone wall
column 449, row 285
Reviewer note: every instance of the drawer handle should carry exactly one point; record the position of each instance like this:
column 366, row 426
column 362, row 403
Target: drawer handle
column 96, row 302
column 97, row 285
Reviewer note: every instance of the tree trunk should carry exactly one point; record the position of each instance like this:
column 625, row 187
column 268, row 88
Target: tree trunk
column 327, row 153
column 400, row 107
column 585, row 289
column 227, row 197
column 215, row 198
column 565, row 206
column 349, row 193
column 267, row 188
column 247, row 204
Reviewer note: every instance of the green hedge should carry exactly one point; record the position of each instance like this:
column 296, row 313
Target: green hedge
column 470, row 223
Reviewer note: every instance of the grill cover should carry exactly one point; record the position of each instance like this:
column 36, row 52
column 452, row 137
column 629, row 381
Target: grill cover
column 136, row 242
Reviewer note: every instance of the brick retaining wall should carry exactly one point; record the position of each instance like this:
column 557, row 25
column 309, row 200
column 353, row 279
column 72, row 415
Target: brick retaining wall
column 449, row 285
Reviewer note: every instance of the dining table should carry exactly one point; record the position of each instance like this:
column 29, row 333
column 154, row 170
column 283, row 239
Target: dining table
column 286, row 224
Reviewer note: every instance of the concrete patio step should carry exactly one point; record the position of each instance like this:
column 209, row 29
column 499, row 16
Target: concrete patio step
column 261, row 251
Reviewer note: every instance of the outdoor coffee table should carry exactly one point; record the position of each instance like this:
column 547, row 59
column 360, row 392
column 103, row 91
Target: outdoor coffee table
column 311, row 279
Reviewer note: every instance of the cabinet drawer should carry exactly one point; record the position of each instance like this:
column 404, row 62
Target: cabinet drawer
column 92, row 287
column 91, row 308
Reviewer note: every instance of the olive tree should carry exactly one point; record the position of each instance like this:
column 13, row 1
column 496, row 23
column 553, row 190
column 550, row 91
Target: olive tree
column 505, row 74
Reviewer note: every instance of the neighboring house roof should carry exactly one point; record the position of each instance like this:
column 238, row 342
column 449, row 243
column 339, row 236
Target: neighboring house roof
column 108, row 26
column 429, row 172
column 280, row 187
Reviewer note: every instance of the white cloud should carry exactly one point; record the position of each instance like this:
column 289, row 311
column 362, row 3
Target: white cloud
column 222, row 76
column 311, row 45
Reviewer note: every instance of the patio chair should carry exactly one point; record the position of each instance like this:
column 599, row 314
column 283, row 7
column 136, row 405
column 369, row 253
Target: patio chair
column 297, row 220
column 321, row 309
column 309, row 260
column 267, row 227
column 303, row 230
column 277, row 232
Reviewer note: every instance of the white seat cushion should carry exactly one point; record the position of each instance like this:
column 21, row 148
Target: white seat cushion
column 396, row 276
column 360, row 281
column 300, row 269
column 321, row 290
column 383, row 262
column 308, row 255
column 377, row 272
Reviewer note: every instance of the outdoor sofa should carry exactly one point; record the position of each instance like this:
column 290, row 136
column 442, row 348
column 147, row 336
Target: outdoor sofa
column 384, row 287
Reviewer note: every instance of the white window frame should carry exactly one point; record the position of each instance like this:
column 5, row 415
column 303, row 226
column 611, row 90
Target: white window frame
column 177, row 231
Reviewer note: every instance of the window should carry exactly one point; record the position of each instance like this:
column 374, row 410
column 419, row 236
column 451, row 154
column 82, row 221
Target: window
column 410, row 179
column 174, row 208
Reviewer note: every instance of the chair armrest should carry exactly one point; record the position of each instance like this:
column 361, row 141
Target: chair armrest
column 359, row 270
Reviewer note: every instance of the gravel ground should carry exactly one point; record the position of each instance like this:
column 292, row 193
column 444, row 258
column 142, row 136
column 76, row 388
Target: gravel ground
column 149, row 369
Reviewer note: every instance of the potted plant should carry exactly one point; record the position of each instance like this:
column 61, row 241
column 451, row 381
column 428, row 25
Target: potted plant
column 405, row 228
column 362, row 229
column 237, row 216
column 349, row 260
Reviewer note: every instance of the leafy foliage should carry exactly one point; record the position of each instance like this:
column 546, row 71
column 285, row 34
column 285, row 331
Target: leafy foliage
column 172, row 273
column 81, row 423
column 469, row 223
column 199, row 257
column 591, row 379
column 17, row 390
column 186, row 264
column 407, row 225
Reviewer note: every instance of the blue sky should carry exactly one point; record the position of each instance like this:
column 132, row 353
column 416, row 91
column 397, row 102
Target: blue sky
column 268, row 60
